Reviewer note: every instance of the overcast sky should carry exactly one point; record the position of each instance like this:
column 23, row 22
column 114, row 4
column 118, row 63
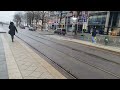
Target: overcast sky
column 6, row 16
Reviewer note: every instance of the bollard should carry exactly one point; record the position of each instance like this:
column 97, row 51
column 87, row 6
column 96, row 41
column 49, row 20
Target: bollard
column 82, row 36
column 106, row 40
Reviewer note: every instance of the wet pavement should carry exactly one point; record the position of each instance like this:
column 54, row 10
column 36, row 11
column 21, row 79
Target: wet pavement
column 81, row 61
column 19, row 61
column 3, row 65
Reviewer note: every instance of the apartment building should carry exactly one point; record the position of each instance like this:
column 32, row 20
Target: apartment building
column 55, row 17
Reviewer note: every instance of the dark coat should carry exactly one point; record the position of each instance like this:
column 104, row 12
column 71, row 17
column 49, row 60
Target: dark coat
column 94, row 33
column 12, row 29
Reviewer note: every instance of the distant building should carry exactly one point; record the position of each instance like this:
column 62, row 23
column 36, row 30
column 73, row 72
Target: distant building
column 104, row 21
column 55, row 19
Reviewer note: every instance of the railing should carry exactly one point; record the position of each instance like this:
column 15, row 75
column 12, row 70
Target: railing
column 102, row 39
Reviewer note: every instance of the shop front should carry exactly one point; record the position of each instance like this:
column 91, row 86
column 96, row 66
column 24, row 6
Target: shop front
column 97, row 22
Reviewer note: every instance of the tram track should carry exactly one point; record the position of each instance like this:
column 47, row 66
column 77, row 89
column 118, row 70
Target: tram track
column 106, row 71
column 78, row 50
column 66, row 71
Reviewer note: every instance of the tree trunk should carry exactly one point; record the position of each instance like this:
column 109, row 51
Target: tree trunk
column 36, row 24
column 78, row 12
column 76, row 27
column 17, row 23
column 60, row 19
column 42, row 21
column 42, row 25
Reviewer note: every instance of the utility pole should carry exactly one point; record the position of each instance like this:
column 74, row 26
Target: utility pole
column 56, row 20
column 107, row 21
column 66, row 23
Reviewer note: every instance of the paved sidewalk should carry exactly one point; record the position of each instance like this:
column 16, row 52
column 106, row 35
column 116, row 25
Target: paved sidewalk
column 3, row 65
column 1, row 30
column 24, row 63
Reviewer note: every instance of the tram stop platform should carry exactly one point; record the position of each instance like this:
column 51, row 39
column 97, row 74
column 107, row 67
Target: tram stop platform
column 19, row 61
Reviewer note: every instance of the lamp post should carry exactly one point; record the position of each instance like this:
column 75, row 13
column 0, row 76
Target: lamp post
column 66, row 24
column 74, row 21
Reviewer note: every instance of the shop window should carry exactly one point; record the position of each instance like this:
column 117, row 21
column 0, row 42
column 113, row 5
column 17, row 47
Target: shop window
column 97, row 20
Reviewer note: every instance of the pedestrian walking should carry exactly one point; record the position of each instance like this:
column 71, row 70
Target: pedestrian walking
column 94, row 35
column 12, row 30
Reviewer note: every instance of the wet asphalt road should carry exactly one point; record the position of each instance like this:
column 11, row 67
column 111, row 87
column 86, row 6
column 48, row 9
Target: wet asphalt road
column 81, row 61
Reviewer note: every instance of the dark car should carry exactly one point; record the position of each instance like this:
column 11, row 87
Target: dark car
column 22, row 27
column 32, row 28
column 60, row 31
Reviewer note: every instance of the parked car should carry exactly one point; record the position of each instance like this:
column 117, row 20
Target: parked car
column 22, row 27
column 60, row 31
column 32, row 28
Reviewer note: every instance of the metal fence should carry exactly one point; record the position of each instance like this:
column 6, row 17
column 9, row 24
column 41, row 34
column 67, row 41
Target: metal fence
column 112, row 41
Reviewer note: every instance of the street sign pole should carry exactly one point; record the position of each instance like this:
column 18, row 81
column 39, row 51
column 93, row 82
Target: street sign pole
column 84, row 19
column 66, row 23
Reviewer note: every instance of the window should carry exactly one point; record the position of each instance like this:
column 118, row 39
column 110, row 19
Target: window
column 97, row 20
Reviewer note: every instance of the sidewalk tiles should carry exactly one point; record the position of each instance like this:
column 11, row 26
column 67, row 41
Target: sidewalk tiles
column 24, row 63
column 3, row 65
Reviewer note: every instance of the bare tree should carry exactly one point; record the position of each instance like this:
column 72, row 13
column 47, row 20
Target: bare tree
column 43, row 18
column 36, row 15
column 26, row 17
column 17, row 19
column 77, row 16
column 61, row 14
column 30, row 17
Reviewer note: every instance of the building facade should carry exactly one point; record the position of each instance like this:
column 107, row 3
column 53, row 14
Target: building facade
column 97, row 19
column 54, row 20
column 104, row 21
